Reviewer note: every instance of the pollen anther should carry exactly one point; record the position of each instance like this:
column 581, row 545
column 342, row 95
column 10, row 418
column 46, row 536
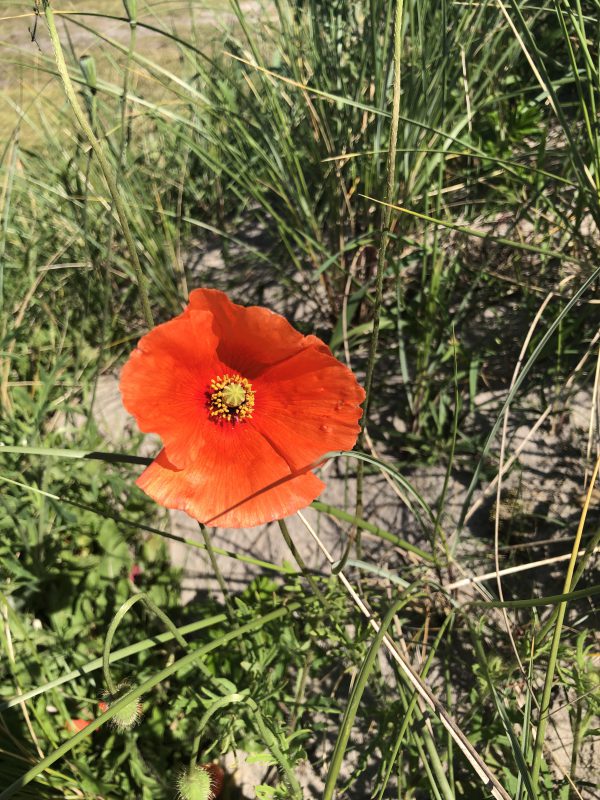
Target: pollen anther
column 230, row 398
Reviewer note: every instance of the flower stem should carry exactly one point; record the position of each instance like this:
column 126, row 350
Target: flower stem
column 110, row 684
column 195, row 749
column 277, row 752
column 102, row 160
column 208, row 545
column 300, row 561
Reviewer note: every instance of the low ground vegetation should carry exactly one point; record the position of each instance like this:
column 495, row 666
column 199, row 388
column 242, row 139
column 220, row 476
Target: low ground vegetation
column 251, row 148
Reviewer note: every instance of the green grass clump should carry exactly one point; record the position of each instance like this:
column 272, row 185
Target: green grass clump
column 419, row 182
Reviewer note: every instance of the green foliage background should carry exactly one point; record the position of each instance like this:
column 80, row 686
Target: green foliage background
column 266, row 133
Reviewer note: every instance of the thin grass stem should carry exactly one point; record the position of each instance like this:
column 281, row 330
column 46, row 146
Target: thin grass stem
column 553, row 657
column 102, row 160
column 386, row 214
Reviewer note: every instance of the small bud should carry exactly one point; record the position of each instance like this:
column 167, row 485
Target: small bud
column 128, row 717
column 201, row 782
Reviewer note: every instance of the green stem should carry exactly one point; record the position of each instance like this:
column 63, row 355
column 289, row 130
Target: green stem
column 386, row 217
column 116, row 655
column 165, row 620
column 387, row 211
column 195, row 749
column 438, row 529
column 220, row 579
column 272, row 744
column 583, row 563
column 432, row 755
column 577, row 731
column 125, row 122
column 410, row 708
column 360, row 684
column 69, row 452
column 283, row 570
column 552, row 600
column 102, row 160
column 300, row 561
column 216, row 569
column 372, row 528
column 149, row 684
column 108, row 681
column 110, row 684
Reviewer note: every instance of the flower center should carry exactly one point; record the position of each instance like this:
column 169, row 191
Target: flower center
column 230, row 398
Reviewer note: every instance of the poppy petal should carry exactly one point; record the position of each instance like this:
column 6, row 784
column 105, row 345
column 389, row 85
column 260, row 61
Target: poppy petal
column 164, row 383
column 250, row 337
column 239, row 486
column 307, row 406
column 76, row 725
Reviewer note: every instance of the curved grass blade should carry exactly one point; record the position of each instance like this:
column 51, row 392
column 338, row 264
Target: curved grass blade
column 372, row 528
column 116, row 655
column 355, row 698
column 398, row 478
column 550, row 600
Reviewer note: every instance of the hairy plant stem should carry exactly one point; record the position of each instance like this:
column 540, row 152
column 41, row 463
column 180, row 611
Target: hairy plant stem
column 110, row 684
column 102, row 160
column 277, row 752
column 217, row 570
column 304, row 569
column 577, row 737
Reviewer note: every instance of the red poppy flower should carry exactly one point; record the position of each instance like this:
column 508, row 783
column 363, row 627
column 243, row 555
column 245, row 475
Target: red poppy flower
column 76, row 725
column 245, row 406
